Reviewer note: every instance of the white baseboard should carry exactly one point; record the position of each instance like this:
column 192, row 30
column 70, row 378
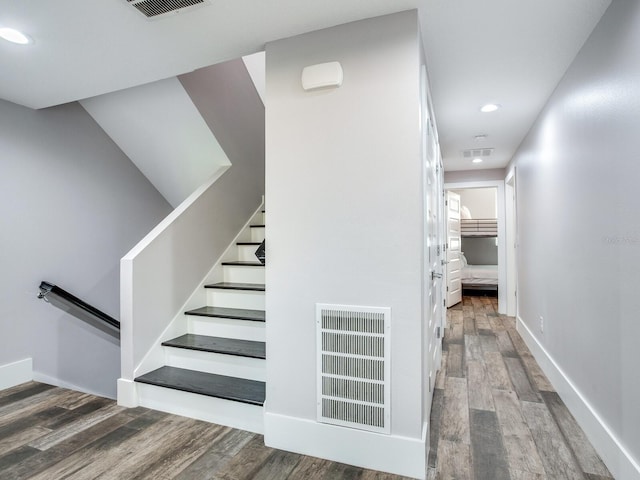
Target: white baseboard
column 615, row 456
column 16, row 373
column 49, row 380
column 387, row 453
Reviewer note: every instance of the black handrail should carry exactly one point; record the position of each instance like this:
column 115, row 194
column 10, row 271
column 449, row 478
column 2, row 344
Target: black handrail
column 73, row 305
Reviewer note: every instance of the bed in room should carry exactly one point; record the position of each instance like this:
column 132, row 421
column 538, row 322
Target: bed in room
column 478, row 277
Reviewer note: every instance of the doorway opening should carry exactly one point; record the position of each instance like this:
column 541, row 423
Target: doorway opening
column 477, row 255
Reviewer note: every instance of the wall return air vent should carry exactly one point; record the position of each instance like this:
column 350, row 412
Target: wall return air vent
column 155, row 8
column 353, row 367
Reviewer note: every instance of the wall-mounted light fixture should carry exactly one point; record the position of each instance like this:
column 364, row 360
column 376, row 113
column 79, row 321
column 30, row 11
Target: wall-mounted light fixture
column 322, row 75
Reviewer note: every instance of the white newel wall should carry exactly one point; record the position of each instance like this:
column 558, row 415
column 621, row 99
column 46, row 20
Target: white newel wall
column 160, row 274
column 344, row 189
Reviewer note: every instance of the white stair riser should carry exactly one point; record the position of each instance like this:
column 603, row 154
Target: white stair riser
column 257, row 234
column 201, row 407
column 247, row 253
column 240, row 274
column 229, row 365
column 226, row 328
column 235, row 299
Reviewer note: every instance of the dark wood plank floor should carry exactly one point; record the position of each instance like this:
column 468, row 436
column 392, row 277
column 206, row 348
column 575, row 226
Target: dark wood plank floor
column 50, row 433
column 495, row 416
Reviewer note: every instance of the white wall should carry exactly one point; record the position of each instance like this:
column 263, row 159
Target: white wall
column 460, row 176
column 579, row 237
column 255, row 64
column 481, row 202
column 160, row 129
column 71, row 204
column 344, row 196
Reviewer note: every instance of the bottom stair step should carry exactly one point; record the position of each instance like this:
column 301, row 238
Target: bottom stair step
column 212, row 385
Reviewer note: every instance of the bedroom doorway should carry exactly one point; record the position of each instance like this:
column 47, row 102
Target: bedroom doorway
column 482, row 256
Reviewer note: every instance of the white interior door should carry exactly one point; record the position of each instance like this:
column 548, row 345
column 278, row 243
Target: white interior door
column 433, row 251
column 434, row 279
column 454, row 265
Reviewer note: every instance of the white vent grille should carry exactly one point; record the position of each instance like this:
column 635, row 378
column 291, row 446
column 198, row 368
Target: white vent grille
column 477, row 152
column 154, row 8
column 353, row 366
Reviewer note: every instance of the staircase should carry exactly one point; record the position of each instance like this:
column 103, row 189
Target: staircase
column 216, row 370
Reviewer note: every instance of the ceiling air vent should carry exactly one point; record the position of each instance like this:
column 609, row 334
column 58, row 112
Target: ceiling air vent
column 477, row 152
column 154, row 8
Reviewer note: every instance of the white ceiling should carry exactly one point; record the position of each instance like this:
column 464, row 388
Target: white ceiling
column 162, row 132
column 504, row 51
column 512, row 53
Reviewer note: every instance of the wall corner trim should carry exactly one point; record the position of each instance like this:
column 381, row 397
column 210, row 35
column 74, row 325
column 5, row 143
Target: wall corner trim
column 387, row 453
column 615, row 456
column 127, row 393
column 15, row 373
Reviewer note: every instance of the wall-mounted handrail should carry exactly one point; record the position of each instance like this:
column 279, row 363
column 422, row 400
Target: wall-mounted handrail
column 73, row 305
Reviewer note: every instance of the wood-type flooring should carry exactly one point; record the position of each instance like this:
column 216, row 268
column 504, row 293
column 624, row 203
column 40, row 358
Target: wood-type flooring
column 495, row 416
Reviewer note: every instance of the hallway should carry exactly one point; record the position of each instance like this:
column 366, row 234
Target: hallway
column 495, row 415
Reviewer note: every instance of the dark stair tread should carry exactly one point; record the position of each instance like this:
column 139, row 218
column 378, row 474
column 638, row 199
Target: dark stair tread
column 254, row 287
column 233, row 313
column 242, row 263
column 257, row 244
column 210, row 384
column 256, row 226
column 227, row 346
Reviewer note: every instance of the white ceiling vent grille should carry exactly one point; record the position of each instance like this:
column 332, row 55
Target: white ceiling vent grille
column 353, row 366
column 155, row 8
column 477, row 152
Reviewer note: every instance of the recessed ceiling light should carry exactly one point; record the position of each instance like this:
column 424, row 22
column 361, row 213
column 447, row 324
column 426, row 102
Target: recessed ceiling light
column 14, row 36
column 489, row 107
column 479, row 138
column 477, row 160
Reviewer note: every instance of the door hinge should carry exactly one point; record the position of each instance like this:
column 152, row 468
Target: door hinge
column 447, row 288
column 446, row 204
column 437, row 332
column 444, row 303
column 438, row 250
